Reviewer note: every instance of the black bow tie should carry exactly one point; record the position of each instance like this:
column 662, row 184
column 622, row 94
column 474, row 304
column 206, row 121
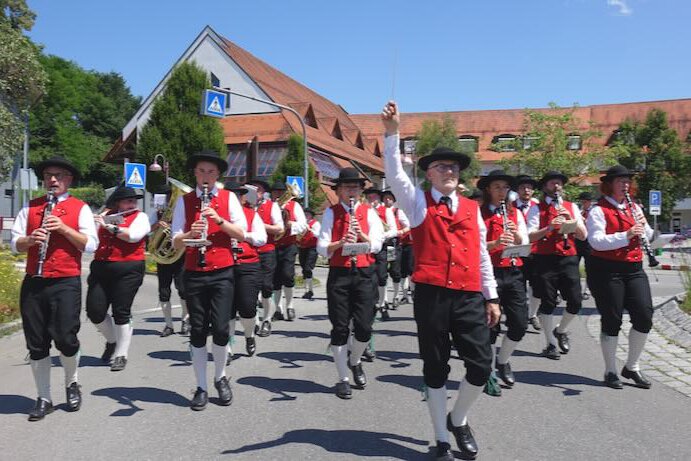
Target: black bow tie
column 444, row 200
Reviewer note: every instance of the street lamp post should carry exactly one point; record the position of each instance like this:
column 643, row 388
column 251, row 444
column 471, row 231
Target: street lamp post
column 155, row 166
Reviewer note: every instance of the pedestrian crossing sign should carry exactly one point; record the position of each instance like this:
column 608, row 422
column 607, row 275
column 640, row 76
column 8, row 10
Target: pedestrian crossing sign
column 214, row 103
column 135, row 175
column 298, row 183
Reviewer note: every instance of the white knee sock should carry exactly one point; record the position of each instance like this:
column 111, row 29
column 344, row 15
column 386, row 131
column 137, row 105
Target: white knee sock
column 220, row 354
column 308, row 284
column 467, row 395
column 107, row 329
column 405, row 284
column 340, row 354
column 382, row 296
column 123, row 336
column 608, row 344
column 547, row 322
column 565, row 320
column 288, row 292
column 277, row 301
column 493, row 349
column 41, row 372
column 436, row 404
column 71, row 367
column 636, row 345
column 412, row 285
column 267, row 304
column 248, row 326
column 356, row 351
column 396, row 290
column 185, row 312
column 533, row 306
column 507, row 348
column 231, row 328
column 167, row 313
column 199, row 359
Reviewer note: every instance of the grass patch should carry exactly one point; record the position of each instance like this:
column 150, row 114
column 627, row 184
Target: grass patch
column 10, row 283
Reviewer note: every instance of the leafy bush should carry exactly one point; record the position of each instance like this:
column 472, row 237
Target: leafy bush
column 10, row 283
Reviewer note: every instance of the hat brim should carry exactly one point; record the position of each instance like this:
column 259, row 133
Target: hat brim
column 219, row 162
column 609, row 177
column 424, row 162
column 64, row 164
column 388, row 192
column 487, row 180
column 116, row 198
column 259, row 182
column 360, row 181
column 544, row 180
column 239, row 190
column 530, row 181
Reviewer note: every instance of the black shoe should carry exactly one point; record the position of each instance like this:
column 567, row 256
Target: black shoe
column 42, row 408
column 278, row 315
column 200, row 399
column 265, row 330
column 343, row 390
column 464, row 439
column 394, row 304
column 250, row 346
column 505, row 374
column 637, row 377
column 167, row 331
column 535, row 322
column 185, row 328
column 256, row 329
column 73, row 397
column 369, row 355
column 404, row 300
column 563, row 340
column 551, row 352
column 229, row 358
column 359, row 377
column 384, row 312
column 585, row 296
column 119, row 363
column 225, row 395
column 290, row 314
column 108, row 352
column 444, row 452
column 612, row 380
column 308, row 295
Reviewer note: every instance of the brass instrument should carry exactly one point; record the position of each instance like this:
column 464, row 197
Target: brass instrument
column 560, row 205
column 51, row 200
column 290, row 194
column 505, row 223
column 652, row 261
column 161, row 241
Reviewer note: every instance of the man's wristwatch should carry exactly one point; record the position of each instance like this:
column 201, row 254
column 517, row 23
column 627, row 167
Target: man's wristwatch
column 220, row 221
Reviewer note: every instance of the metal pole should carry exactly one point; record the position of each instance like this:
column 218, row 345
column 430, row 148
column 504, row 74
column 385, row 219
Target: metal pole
column 302, row 123
column 25, row 163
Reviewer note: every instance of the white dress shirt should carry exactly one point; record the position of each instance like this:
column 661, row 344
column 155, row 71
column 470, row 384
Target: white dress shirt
column 533, row 218
column 257, row 235
column 522, row 228
column 375, row 234
column 315, row 229
column 412, row 200
column 390, row 223
column 86, row 226
column 276, row 216
column 598, row 237
column 403, row 218
column 139, row 228
column 298, row 226
column 237, row 216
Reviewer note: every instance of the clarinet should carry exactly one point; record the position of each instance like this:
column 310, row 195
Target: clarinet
column 652, row 261
column 560, row 204
column 201, row 262
column 351, row 212
column 43, row 251
column 505, row 223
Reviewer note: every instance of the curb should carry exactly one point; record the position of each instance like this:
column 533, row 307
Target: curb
column 671, row 321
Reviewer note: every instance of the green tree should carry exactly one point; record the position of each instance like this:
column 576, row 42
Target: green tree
column 17, row 14
column 556, row 139
column 435, row 133
column 175, row 127
column 656, row 151
column 293, row 165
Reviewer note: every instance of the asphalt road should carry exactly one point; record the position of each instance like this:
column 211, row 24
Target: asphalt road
column 284, row 406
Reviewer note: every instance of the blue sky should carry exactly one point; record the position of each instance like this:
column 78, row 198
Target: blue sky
column 443, row 55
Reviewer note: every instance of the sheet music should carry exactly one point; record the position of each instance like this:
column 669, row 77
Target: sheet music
column 351, row 249
column 516, row 251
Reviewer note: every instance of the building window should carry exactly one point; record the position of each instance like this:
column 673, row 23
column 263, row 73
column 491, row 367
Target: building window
column 409, row 146
column 237, row 163
column 573, row 142
column 268, row 159
column 468, row 144
column 214, row 80
column 505, row 142
column 529, row 142
column 325, row 164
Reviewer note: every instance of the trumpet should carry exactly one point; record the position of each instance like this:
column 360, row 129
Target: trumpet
column 51, row 200
column 560, row 205
column 652, row 261
column 351, row 227
column 505, row 223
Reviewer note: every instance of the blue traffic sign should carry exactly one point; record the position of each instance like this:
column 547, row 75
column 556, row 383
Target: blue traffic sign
column 297, row 182
column 135, row 175
column 214, row 103
column 655, row 198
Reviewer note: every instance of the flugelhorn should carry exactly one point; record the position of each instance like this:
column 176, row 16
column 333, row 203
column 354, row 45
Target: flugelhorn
column 652, row 261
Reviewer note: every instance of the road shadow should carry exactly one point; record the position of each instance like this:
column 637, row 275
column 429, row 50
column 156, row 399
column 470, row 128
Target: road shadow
column 15, row 404
column 523, row 353
column 414, row 382
column 394, row 333
column 563, row 381
column 145, row 332
column 317, row 317
column 355, row 443
column 283, row 387
column 160, row 319
column 301, row 334
column 290, row 359
column 84, row 361
column 130, row 396
column 396, row 358
column 180, row 358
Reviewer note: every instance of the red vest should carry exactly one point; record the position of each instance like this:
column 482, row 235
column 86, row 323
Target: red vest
column 341, row 223
column 218, row 254
column 62, row 258
column 447, row 248
column 264, row 211
column 289, row 211
column 309, row 240
column 404, row 239
column 111, row 248
column 618, row 221
column 249, row 253
column 553, row 242
column 495, row 227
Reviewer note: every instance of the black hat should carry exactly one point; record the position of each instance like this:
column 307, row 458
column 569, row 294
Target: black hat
column 163, row 189
column 122, row 193
column 349, row 175
column 373, row 190
column 308, row 210
column 208, row 156
column 476, row 193
column 59, row 162
column 443, row 153
column 617, row 171
column 552, row 175
column 585, row 196
column 259, row 182
column 278, row 185
column 495, row 175
column 525, row 179
column 233, row 186
column 388, row 192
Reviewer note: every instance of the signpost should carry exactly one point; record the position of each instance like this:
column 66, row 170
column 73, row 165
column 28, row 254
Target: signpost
column 298, row 182
column 135, row 175
column 214, row 103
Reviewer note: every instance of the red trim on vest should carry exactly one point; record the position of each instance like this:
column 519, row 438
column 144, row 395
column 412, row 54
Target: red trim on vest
column 447, row 248
column 218, row 254
column 111, row 248
column 553, row 242
column 249, row 252
column 62, row 258
column 288, row 240
column 495, row 227
column 618, row 221
column 309, row 240
column 341, row 223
